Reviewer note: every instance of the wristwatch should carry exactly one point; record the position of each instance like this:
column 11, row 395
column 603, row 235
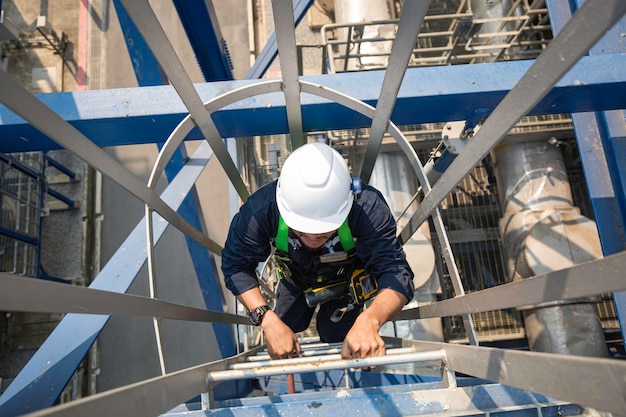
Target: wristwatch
column 256, row 315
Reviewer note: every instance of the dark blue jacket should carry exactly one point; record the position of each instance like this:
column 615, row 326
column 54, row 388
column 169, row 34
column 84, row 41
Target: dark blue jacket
column 253, row 231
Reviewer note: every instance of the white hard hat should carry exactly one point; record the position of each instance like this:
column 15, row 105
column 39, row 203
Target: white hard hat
column 313, row 192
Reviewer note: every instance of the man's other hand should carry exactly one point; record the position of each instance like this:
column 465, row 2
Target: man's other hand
column 363, row 340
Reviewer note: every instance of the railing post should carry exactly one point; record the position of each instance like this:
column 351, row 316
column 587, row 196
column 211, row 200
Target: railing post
column 208, row 398
column 448, row 377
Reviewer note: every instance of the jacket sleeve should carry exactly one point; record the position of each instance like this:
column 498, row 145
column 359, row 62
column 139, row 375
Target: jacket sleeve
column 375, row 230
column 247, row 244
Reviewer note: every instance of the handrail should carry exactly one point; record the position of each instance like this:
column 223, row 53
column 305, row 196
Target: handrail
column 313, row 356
column 591, row 382
column 32, row 295
column 555, row 286
column 323, row 363
column 450, row 38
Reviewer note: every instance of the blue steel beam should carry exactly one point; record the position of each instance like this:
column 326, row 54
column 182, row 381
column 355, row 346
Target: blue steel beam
column 62, row 168
column 149, row 73
column 270, row 50
column 427, row 95
column 145, row 66
column 62, row 198
column 19, row 236
column 200, row 23
column 601, row 138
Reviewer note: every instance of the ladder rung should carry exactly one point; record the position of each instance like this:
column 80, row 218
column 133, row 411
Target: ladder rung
column 321, row 364
column 307, row 351
column 307, row 359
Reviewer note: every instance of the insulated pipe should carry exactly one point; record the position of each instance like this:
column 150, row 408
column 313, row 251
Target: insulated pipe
column 542, row 231
column 355, row 11
column 393, row 176
column 494, row 9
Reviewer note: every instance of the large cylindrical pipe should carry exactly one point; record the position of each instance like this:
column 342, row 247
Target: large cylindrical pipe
column 394, row 177
column 493, row 10
column 542, row 231
column 356, row 11
column 572, row 329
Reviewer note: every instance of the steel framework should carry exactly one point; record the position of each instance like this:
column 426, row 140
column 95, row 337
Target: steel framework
column 559, row 80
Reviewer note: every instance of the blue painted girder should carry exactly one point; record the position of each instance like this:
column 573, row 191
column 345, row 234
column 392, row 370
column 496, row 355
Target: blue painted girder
column 601, row 139
column 435, row 94
column 145, row 66
column 270, row 50
column 203, row 31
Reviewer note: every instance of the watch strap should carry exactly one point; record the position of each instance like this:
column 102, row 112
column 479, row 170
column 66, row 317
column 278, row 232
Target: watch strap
column 256, row 314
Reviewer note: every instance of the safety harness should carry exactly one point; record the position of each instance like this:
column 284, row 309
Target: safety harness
column 282, row 236
column 355, row 282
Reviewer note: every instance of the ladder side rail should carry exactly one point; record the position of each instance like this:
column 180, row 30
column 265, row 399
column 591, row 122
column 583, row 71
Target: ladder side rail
column 552, row 287
column 597, row 383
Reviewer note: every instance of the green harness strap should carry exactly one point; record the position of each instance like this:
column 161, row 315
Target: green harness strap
column 282, row 236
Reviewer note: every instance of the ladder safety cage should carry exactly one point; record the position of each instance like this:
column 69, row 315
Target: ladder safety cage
column 563, row 379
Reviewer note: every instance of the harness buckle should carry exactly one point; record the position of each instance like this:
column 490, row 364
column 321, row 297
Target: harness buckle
column 362, row 286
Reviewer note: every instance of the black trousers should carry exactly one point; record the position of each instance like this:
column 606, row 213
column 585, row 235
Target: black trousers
column 292, row 308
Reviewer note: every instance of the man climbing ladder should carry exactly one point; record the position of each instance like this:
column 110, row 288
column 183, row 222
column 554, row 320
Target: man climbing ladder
column 334, row 243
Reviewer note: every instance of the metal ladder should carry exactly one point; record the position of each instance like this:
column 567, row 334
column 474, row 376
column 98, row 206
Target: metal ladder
column 327, row 384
